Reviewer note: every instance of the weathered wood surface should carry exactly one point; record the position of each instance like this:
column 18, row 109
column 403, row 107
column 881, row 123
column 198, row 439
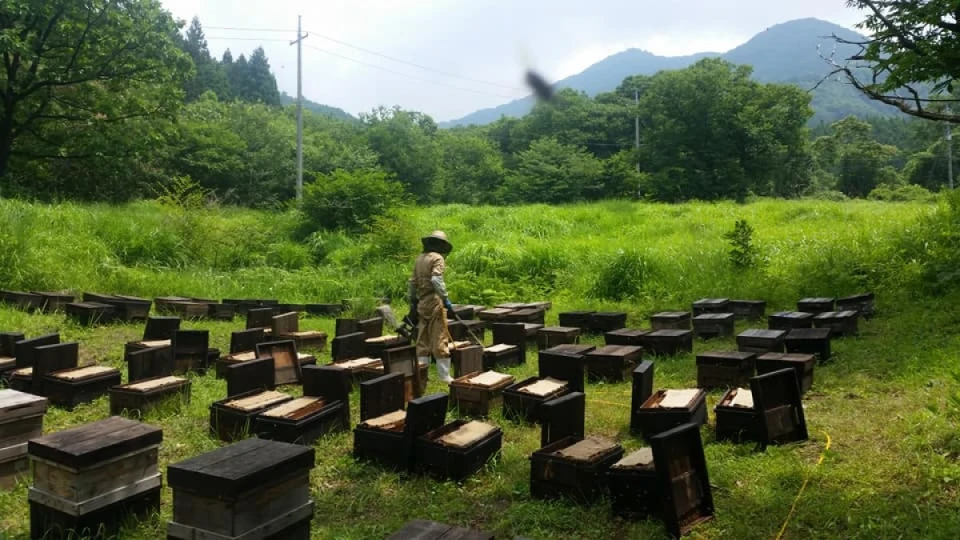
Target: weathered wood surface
column 285, row 360
column 96, row 442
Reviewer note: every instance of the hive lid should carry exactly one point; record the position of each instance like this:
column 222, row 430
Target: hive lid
column 743, row 398
column 257, row 401
column 227, row 473
column 154, row 384
column 587, row 450
column 388, row 421
column 243, row 356
column 79, row 374
column 490, row 378
column 14, row 405
column 467, row 434
column 544, row 387
column 500, row 347
column 295, row 409
column 639, row 459
column 156, row 343
column 93, row 443
column 678, row 399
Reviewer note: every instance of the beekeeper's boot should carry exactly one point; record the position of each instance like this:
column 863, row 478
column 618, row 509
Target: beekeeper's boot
column 443, row 370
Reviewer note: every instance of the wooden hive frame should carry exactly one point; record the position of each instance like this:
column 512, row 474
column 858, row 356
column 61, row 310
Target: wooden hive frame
column 287, row 363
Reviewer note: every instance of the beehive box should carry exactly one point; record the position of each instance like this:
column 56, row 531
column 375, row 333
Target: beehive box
column 457, row 450
column 714, row 325
column 187, row 309
column 625, row 336
column 565, row 363
column 779, row 405
column 466, row 359
column 711, row 305
column 671, row 320
column 374, row 347
column 250, row 375
column 556, row 335
column 8, row 360
column 613, row 363
column 381, row 396
column 751, row 310
column 260, row 317
column 461, row 312
column 140, row 397
column 535, row 316
column 803, row 363
column 91, row 313
column 724, row 369
column 607, row 321
column 90, row 476
column 303, row 420
column 478, row 393
column 810, row 341
column 164, row 304
column 72, row 387
column 816, row 305
column 788, row 320
column 131, row 308
column 862, row 303
column 191, row 350
column 474, row 331
column 21, row 379
column 641, row 389
column 577, row 319
column 53, row 358
column 501, row 355
column 840, row 323
column 324, row 310
column 222, row 312
column 668, row 342
column 21, row 419
column 286, row 360
column 572, row 468
column 761, row 341
column 523, row 400
column 371, row 327
column 329, row 382
column 232, row 418
column 634, row 489
column 419, row 529
column 287, row 326
column 389, row 439
column 54, row 301
column 251, row 489
column 22, row 300
column 737, row 419
column 667, row 409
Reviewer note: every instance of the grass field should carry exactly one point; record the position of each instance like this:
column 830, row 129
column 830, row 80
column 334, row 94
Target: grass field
column 888, row 402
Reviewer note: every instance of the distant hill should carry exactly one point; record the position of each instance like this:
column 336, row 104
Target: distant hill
column 785, row 53
column 317, row 108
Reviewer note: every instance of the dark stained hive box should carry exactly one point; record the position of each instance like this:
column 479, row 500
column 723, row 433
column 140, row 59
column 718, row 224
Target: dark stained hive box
column 862, row 303
column 640, row 391
column 761, row 341
column 530, row 331
column 25, row 350
column 634, row 490
column 53, row 358
column 816, row 305
column 501, row 355
column 668, row 342
column 457, row 450
column 250, row 375
column 164, row 303
column 187, row 309
column 21, row 419
column 91, row 313
column 841, row 323
column 374, row 347
column 303, row 420
column 563, row 417
column 751, row 310
column 667, row 409
column 346, row 326
column 251, row 489
column 404, row 360
column 389, row 439
column 232, row 418
column 556, row 335
column 671, row 320
column 90, row 476
column 493, row 315
column 737, row 419
column 613, row 363
column 523, row 400
column 134, row 346
column 803, row 363
column 324, row 310
column 361, row 369
column 810, row 341
column 565, row 363
column 573, row 468
column 535, row 316
column 462, row 312
column 468, row 330
column 54, row 301
column 419, row 529
column 513, row 334
column 714, row 325
column 513, row 306
column 287, row 326
column 607, row 321
column 477, row 393
column 577, row 319
column 371, row 327
column 381, row 396
column 466, row 359
column 222, row 312
column 140, row 397
column 72, row 387
column 8, row 360
column 779, row 404
column 724, row 369
column 260, row 318
column 287, row 361
column 21, row 379
column 625, row 336
column 190, row 351
column 130, row 308
column 788, row 320
column 348, row 346
column 160, row 328
column 23, row 300
column 329, row 382
column 287, row 308
column 711, row 305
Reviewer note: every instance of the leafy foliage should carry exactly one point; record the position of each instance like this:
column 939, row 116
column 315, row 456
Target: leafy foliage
column 350, row 201
column 743, row 252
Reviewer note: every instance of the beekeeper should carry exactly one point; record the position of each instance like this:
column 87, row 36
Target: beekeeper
column 428, row 296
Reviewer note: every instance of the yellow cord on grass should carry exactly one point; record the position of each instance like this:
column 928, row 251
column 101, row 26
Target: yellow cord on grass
column 806, row 480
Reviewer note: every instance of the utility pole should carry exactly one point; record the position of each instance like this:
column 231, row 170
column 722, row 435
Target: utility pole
column 636, row 125
column 298, row 41
column 949, row 151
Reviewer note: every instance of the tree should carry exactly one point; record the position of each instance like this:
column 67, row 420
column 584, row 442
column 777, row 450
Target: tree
column 406, row 143
column 80, row 66
column 912, row 43
column 471, row 169
column 262, row 84
column 554, row 173
column 853, row 157
column 209, row 75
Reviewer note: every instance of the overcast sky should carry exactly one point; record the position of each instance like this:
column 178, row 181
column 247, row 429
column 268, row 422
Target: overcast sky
column 491, row 41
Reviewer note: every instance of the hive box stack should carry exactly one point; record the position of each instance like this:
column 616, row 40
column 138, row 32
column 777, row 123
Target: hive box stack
column 667, row 409
column 233, row 418
column 21, row 419
column 573, row 467
column 90, row 476
column 251, row 489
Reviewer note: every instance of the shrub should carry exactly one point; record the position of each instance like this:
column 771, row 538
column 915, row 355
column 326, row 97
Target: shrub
column 622, row 277
column 902, row 193
column 743, row 254
column 350, row 200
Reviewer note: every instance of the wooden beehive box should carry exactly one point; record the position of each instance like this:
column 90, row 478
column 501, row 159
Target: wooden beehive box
column 511, row 306
column 381, row 396
column 750, row 310
column 54, row 301
column 348, row 346
column 140, row 397
column 474, row 331
column 52, row 358
column 668, row 342
column 711, row 305
column 8, row 360
column 761, row 341
column 362, row 369
column 89, row 477
column 25, row 350
column 803, row 363
column 737, row 419
column 457, row 450
column 287, row 326
column 522, row 401
column 667, row 409
column 72, row 387
column 131, row 308
column 625, row 336
column 862, row 303
column 158, row 328
column 91, row 313
column 788, row 320
column 251, row 489
column 404, row 360
column 466, row 359
column 810, row 341
column 613, row 363
column 577, row 319
column 634, row 490
column 671, row 320
column 260, row 318
column 164, row 304
column 149, row 363
column 535, row 316
column 191, row 351
column 563, row 417
column 573, row 468
column 501, row 355
column 371, row 327
column 389, row 439
column 461, row 312
column 20, row 379
column 374, row 347
column 287, row 361
column 607, row 321
column 222, row 312
column 23, row 300
column 324, row 310
column 493, row 315
column 420, row 529
column 479, row 392
column 21, row 419
column 840, row 323
column 329, row 382
column 250, row 375
column 134, row 346
column 565, row 363
column 303, row 420
column 232, row 418
column 714, row 325
column 779, row 404
column 816, row 305
column 556, row 335
column 724, row 369
column 640, row 391
column 188, row 309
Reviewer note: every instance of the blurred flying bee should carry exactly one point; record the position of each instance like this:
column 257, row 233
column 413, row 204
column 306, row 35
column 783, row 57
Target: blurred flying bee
column 541, row 88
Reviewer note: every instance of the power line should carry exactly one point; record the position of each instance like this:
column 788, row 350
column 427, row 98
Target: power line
column 243, row 38
column 248, row 29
